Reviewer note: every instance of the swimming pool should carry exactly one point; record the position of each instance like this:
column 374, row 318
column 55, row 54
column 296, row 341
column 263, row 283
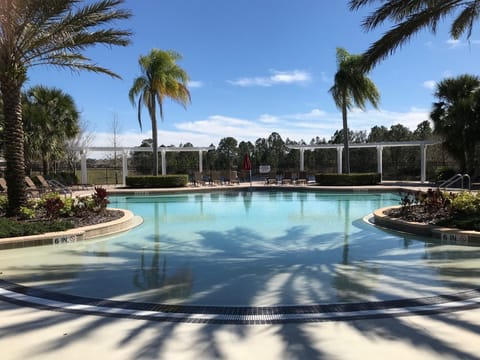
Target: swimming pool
column 257, row 249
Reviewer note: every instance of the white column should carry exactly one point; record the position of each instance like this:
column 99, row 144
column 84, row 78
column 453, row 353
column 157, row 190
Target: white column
column 124, row 167
column 380, row 161
column 302, row 159
column 83, row 166
column 200, row 161
column 164, row 163
column 423, row 163
column 339, row 159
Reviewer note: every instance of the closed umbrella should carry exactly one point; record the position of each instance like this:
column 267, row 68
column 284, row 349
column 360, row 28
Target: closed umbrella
column 247, row 166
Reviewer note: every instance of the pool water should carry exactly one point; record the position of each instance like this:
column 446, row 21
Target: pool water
column 250, row 249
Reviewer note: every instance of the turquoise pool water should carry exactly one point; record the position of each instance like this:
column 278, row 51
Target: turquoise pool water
column 250, row 249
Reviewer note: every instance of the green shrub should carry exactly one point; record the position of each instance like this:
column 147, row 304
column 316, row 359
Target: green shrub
column 348, row 179
column 466, row 203
column 3, row 203
column 161, row 181
column 11, row 228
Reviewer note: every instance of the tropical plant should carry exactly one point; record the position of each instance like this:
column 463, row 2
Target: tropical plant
column 351, row 87
column 35, row 32
column 161, row 77
column 456, row 118
column 50, row 118
column 410, row 17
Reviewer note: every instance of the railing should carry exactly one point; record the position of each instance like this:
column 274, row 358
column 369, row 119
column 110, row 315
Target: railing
column 454, row 179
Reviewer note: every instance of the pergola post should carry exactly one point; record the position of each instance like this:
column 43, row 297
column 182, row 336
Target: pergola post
column 423, row 163
column 164, row 162
column 83, row 166
column 302, row 159
column 380, row 161
column 200, row 161
column 339, row 159
column 124, row 167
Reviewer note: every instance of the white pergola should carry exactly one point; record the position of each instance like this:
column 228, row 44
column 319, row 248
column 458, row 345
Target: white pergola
column 379, row 146
column 125, row 150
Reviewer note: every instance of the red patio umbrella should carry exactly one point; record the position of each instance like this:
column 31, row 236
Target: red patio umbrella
column 247, row 166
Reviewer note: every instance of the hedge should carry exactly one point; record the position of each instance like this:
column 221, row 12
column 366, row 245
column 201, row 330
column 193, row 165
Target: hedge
column 160, row 181
column 348, row 179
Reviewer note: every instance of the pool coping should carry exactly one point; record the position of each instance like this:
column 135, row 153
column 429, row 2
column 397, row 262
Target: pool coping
column 446, row 234
column 238, row 315
column 125, row 223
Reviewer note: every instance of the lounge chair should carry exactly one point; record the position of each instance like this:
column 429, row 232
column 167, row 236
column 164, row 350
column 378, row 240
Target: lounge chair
column 3, row 185
column 43, row 183
column 233, row 178
column 216, row 178
column 302, row 178
column 58, row 187
column 287, row 178
column 32, row 188
column 198, row 179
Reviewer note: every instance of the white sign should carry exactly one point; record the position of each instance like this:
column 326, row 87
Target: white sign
column 264, row 169
column 62, row 240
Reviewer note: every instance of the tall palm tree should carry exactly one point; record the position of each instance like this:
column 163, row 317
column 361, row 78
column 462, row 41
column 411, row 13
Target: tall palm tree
column 161, row 77
column 50, row 118
column 410, row 17
column 456, row 118
column 351, row 87
column 38, row 32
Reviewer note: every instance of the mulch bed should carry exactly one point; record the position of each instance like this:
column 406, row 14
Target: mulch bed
column 418, row 213
column 94, row 218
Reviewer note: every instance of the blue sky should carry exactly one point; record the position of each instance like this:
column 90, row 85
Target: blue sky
column 257, row 67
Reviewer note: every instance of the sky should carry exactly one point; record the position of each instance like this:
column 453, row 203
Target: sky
column 257, row 67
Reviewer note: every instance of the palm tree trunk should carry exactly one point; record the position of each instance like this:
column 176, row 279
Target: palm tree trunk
column 14, row 150
column 153, row 118
column 346, row 150
column 155, row 147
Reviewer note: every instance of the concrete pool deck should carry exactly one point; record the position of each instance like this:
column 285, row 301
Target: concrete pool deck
column 27, row 333
column 42, row 334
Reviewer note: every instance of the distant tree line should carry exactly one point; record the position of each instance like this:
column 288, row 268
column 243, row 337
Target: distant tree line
column 398, row 162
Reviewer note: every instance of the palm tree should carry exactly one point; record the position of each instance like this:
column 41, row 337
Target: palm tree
column 34, row 32
column 161, row 77
column 351, row 87
column 456, row 118
column 409, row 18
column 50, row 118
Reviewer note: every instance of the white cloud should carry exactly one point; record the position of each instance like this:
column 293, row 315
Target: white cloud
column 315, row 114
column 276, row 78
column 299, row 126
column 454, row 43
column 268, row 119
column 195, row 84
column 429, row 84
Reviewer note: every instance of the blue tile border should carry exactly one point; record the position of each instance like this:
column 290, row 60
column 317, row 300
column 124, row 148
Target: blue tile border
column 48, row 300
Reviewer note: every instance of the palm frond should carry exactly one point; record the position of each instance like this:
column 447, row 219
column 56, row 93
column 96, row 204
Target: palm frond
column 464, row 21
